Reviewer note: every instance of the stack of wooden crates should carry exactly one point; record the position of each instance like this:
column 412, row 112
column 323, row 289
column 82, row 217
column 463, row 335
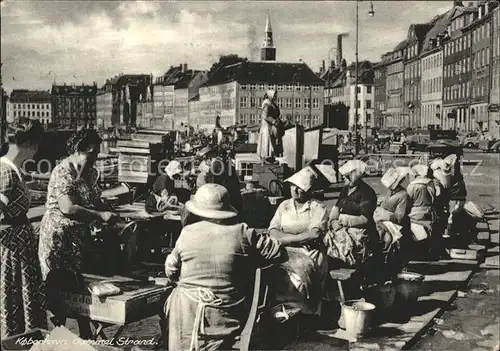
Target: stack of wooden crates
column 140, row 158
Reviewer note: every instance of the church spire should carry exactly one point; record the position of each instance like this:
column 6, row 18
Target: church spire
column 268, row 51
column 269, row 29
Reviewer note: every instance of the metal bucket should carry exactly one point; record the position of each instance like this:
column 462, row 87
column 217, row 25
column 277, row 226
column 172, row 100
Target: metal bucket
column 383, row 296
column 357, row 316
column 408, row 288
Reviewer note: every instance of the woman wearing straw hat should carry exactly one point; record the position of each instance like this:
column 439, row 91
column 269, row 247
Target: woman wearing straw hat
column 391, row 218
column 299, row 224
column 352, row 237
column 213, row 263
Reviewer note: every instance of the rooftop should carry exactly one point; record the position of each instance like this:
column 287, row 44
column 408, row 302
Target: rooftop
column 365, row 74
column 440, row 25
column 64, row 89
column 23, row 95
column 265, row 72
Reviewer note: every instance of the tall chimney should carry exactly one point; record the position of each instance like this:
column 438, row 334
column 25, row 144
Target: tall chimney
column 339, row 50
column 323, row 68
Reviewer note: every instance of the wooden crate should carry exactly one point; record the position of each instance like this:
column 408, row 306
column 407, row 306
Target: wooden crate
column 134, row 168
column 130, row 306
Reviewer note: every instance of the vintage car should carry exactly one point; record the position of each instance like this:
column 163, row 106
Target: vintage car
column 443, row 148
column 470, row 140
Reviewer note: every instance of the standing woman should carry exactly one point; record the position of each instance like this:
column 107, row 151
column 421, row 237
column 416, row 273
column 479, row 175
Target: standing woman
column 21, row 291
column 271, row 130
column 73, row 202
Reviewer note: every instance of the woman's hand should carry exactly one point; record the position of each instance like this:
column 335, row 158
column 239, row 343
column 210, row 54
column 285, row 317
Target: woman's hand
column 335, row 225
column 109, row 217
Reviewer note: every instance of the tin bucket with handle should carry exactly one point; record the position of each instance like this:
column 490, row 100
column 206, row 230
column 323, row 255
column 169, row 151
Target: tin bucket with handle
column 409, row 286
column 357, row 316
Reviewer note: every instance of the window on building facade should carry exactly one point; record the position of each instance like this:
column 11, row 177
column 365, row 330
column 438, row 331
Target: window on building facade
column 368, row 104
column 289, row 103
column 253, row 86
column 368, row 117
column 307, row 103
column 298, row 103
column 369, row 89
column 281, row 87
column 262, row 87
column 315, row 103
column 299, row 88
column 15, row 113
column 243, row 102
column 253, row 119
column 253, row 102
column 358, row 90
column 246, row 169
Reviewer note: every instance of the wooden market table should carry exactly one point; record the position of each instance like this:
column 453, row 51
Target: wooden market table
column 137, row 301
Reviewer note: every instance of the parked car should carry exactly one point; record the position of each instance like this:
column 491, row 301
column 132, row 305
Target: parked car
column 470, row 140
column 490, row 145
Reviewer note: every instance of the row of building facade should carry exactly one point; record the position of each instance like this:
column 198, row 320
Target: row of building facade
column 445, row 74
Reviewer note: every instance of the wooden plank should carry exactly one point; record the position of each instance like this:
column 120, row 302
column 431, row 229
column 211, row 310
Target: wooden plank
column 131, row 150
column 132, row 143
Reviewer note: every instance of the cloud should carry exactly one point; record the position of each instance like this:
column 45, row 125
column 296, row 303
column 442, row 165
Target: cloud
column 96, row 40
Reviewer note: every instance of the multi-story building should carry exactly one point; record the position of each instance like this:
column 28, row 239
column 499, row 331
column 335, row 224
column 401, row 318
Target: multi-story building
column 394, row 117
column 457, row 66
column 494, row 106
column 412, row 73
column 118, row 99
column 432, row 73
column 172, row 92
column 74, row 106
column 379, row 98
column 235, row 93
column 32, row 104
column 342, row 91
column 481, row 34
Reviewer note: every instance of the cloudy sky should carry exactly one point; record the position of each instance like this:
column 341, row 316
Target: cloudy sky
column 86, row 41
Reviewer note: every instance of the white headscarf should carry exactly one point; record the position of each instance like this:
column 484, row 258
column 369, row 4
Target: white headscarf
column 419, row 170
column 304, row 178
column 394, row 177
column 271, row 94
column 173, row 168
column 355, row 169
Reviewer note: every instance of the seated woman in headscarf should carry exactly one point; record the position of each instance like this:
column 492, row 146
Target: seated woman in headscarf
column 299, row 224
column 454, row 193
column 423, row 192
column 392, row 221
column 213, row 265
column 164, row 193
column 352, row 237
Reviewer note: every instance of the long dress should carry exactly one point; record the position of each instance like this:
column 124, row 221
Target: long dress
column 353, row 246
column 265, row 147
column 214, row 266
column 21, row 288
column 300, row 281
column 62, row 238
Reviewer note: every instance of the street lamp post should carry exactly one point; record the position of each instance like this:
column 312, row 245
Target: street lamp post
column 371, row 13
